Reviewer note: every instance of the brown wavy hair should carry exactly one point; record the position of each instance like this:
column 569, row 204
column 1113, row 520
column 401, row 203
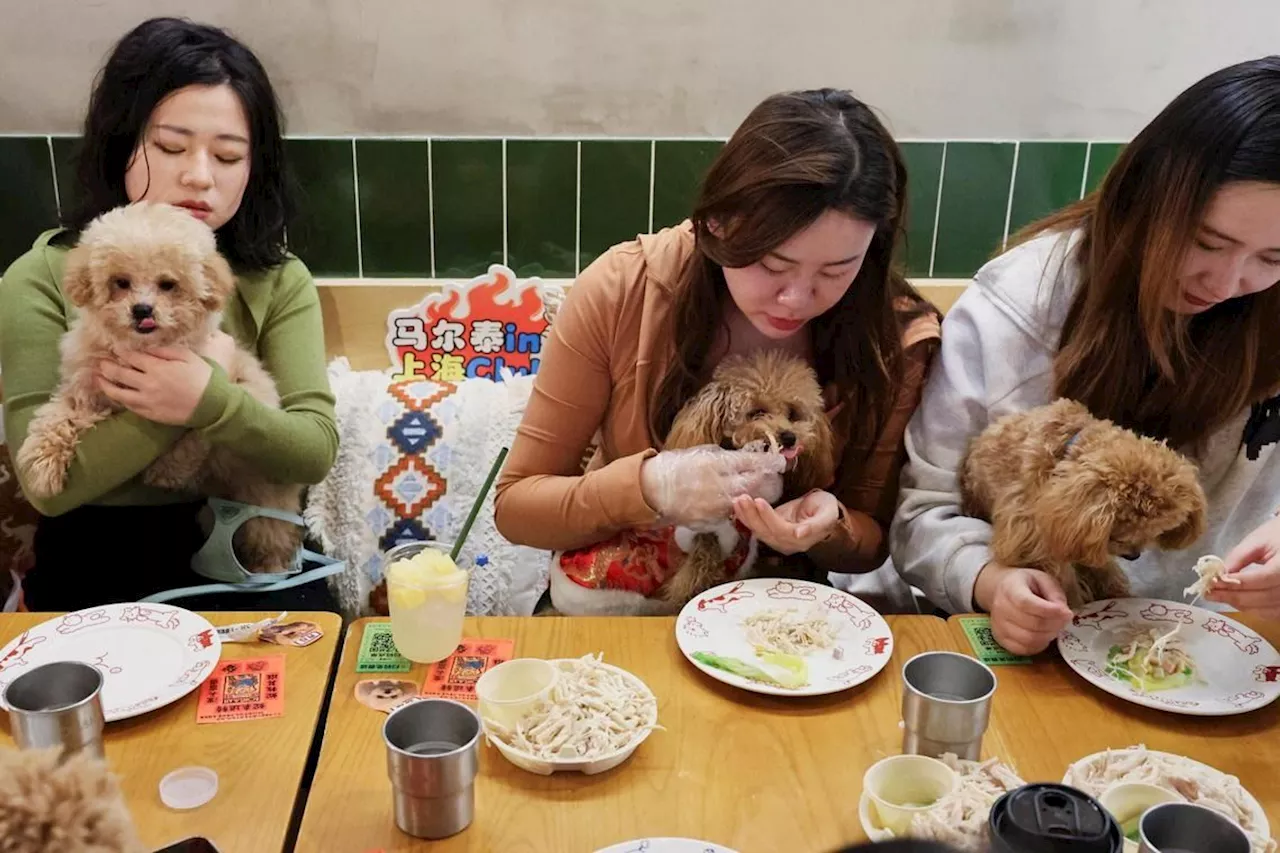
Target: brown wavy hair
column 1122, row 352
column 797, row 155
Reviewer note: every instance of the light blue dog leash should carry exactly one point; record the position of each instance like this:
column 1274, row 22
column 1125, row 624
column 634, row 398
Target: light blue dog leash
column 217, row 558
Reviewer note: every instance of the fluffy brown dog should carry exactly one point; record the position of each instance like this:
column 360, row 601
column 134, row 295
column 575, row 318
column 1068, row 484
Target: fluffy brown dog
column 73, row 807
column 1066, row 493
column 770, row 402
column 145, row 276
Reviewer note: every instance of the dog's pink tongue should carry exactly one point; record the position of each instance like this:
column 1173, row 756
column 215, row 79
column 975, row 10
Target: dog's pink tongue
column 146, row 325
column 790, row 453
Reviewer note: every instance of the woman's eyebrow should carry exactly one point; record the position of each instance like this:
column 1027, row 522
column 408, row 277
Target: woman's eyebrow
column 226, row 137
column 787, row 260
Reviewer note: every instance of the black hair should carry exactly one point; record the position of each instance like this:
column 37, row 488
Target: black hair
column 153, row 60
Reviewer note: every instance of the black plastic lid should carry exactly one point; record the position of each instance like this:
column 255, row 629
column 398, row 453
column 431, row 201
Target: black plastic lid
column 1048, row 818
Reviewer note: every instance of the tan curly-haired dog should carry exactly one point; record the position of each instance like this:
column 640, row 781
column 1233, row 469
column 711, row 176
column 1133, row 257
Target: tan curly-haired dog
column 146, row 276
column 71, row 807
column 1066, row 493
column 770, row 401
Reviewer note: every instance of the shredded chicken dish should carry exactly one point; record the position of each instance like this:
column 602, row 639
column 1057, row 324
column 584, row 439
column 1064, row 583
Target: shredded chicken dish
column 789, row 631
column 592, row 711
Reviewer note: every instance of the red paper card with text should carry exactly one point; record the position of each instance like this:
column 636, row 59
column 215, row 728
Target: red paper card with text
column 455, row 677
column 246, row 689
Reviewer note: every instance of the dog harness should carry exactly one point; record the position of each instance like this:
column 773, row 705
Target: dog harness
column 640, row 560
column 217, row 558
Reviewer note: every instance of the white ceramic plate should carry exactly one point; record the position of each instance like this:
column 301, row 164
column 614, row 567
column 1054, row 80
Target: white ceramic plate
column 665, row 845
column 712, row 623
column 547, row 766
column 1261, row 825
column 1239, row 671
column 149, row 654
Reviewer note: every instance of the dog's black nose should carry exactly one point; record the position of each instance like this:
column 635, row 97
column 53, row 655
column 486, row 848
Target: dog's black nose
column 787, row 439
column 1132, row 555
column 142, row 311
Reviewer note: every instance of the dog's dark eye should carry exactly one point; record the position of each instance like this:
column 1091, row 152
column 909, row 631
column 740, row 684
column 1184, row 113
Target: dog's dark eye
column 756, row 413
column 727, row 444
column 120, row 282
column 793, row 414
column 167, row 284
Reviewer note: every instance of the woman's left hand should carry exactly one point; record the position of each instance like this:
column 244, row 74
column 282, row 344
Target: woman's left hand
column 162, row 385
column 1255, row 563
column 793, row 527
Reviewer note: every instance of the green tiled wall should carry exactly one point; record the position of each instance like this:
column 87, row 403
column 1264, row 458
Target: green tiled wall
column 450, row 207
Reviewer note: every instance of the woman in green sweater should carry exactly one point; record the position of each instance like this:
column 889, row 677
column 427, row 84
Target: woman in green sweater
column 184, row 114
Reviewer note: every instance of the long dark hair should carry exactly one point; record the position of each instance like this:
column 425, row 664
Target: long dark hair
column 153, row 60
column 795, row 156
column 1122, row 352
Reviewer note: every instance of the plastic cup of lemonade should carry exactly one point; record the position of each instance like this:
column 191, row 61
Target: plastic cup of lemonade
column 427, row 597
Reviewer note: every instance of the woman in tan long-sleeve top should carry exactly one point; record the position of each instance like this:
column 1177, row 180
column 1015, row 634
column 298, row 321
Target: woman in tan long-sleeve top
column 791, row 246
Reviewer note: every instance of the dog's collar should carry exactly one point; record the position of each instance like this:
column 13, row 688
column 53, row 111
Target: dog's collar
column 1066, row 445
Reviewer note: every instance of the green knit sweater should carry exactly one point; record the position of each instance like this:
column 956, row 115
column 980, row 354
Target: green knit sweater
column 275, row 314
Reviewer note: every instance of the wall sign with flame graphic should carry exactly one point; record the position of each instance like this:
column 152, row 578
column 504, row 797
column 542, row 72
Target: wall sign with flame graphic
column 470, row 330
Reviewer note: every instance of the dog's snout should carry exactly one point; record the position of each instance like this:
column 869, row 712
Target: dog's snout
column 1131, row 555
column 787, row 439
column 142, row 311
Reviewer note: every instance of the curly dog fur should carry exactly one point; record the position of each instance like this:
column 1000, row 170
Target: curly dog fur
column 145, row 276
column 769, row 401
column 71, row 807
column 1066, row 493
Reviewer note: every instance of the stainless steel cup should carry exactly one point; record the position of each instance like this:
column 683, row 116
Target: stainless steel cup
column 946, row 704
column 433, row 755
column 57, row 705
column 1188, row 828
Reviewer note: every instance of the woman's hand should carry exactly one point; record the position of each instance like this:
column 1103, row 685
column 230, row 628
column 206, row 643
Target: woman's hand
column 699, row 484
column 1028, row 607
column 795, row 526
column 1255, row 563
column 162, row 385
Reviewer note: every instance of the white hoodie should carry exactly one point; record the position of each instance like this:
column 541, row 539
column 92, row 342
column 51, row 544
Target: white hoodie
column 998, row 343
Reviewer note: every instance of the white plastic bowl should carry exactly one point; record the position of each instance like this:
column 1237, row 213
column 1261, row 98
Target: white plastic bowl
column 547, row 766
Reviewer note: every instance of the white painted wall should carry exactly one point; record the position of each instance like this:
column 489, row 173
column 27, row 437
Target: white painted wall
column 936, row 68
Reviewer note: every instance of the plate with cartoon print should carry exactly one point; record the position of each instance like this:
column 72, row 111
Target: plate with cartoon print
column 149, row 654
column 665, row 845
column 1172, row 657
column 784, row 637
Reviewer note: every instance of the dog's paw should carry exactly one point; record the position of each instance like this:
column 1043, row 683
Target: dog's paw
column 44, row 468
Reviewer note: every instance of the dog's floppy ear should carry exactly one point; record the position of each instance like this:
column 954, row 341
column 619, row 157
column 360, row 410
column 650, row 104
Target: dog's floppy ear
column 77, row 281
column 219, row 281
column 1185, row 534
column 1074, row 514
column 702, row 420
column 816, row 465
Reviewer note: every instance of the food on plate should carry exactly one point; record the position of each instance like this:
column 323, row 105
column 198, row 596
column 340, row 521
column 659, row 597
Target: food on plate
column 1208, row 569
column 783, row 670
column 593, row 710
column 789, row 631
column 960, row 818
column 1152, row 660
column 1194, row 782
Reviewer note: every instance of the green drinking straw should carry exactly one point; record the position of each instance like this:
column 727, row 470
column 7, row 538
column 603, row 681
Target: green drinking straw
column 475, row 507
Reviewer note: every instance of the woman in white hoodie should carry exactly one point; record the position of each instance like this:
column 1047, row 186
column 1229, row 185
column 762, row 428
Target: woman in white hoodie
column 1153, row 302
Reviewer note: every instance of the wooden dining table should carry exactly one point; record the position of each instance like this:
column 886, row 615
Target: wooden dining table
column 743, row 770
column 1045, row 717
column 260, row 763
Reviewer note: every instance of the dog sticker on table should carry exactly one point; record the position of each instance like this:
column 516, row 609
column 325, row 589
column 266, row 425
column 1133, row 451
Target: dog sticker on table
column 143, row 276
column 769, row 402
column 1068, row 493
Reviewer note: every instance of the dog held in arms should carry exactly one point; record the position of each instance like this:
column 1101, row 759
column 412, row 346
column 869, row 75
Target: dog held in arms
column 144, row 276
column 1066, row 493
column 768, row 402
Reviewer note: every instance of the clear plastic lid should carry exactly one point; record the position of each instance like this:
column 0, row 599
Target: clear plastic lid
column 188, row 787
